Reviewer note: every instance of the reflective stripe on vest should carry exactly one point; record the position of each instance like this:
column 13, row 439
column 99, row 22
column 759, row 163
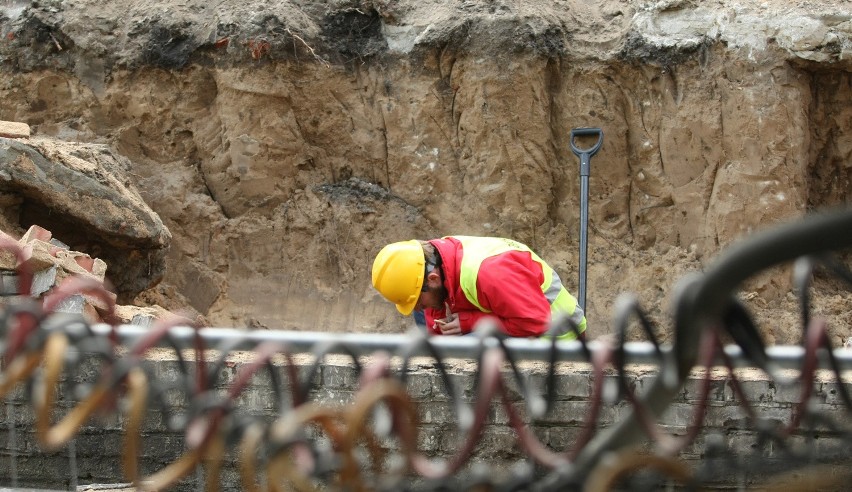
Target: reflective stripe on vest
column 478, row 249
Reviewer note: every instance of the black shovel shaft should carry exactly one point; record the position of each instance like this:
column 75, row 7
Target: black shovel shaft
column 585, row 169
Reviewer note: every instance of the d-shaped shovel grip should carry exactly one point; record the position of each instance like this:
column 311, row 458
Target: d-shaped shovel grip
column 586, row 154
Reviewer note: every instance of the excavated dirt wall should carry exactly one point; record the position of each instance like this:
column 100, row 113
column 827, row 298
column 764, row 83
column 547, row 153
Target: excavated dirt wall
column 283, row 145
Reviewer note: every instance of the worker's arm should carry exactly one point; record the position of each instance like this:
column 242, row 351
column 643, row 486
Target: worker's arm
column 438, row 324
column 464, row 322
column 509, row 285
column 460, row 323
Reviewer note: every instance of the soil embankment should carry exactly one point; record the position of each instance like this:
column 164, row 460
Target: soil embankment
column 282, row 145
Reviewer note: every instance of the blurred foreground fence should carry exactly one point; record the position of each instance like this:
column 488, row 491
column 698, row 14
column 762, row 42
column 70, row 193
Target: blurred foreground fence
column 183, row 407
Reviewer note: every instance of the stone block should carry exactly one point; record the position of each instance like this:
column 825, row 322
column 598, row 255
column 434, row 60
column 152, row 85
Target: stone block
column 419, row 385
column 333, row 396
column 252, row 400
column 562, row 439
column 497, row 441
column 832, row 393
column 436, row 412
column 462, row 383
column 21, row 414
column 429, row 438
column 566, row 413
column 38, row 472
column 717, row 390
column 780, row 415
column 153, row 421
column 499, row 414
column 758, row 390
column 515, row 388
column 573, row 385
column 748, row 446
column 89, row 368
column 679, row 415
column 162, row 446
column 726, row 416
column 306, row 376
column 261, row 378
column 790, row 393
column 345, row 377
column 14, row 129
column 99, row 443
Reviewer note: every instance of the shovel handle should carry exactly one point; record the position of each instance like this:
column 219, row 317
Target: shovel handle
column 586, row 154
column 585, row 169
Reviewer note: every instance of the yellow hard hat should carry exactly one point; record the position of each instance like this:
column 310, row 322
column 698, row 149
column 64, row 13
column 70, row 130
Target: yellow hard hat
column 398, row 273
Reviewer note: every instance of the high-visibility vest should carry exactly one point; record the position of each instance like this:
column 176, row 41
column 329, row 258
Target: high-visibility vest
column 562, row 304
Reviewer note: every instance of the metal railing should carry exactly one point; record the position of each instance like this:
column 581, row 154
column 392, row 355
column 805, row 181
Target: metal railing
column 40, row 348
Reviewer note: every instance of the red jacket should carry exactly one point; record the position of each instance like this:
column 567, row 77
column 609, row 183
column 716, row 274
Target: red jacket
column 508, row 285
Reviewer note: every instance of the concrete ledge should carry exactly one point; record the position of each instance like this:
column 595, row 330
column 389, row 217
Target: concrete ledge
column 98, row 446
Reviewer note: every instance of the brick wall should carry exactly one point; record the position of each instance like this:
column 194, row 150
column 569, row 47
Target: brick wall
column 96, row 451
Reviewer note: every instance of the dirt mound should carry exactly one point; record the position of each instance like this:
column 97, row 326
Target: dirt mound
column 282, row 145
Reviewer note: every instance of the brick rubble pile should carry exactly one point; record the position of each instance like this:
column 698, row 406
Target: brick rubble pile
column 50, row 262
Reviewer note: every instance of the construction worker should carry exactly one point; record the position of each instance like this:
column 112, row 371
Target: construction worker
column 458, row 280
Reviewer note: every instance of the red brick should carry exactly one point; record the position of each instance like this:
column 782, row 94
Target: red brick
column 86, row 262
column 36, row 232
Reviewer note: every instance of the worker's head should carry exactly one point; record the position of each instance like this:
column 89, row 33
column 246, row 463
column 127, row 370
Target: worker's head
column 408, row 274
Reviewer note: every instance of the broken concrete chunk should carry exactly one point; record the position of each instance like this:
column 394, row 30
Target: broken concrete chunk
column 64, row 273
column 144, row 320
column 91, row 314
column 141, row 316
column 59, row 244
column 43, row 281
column 77, row 304
column 39, row 255
column 72, row 304
column 99, row 302
column 14, row 129
column 69, row 262
column 99, row 269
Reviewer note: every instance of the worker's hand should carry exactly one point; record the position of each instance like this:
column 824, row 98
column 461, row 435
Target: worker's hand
column 451, row 327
